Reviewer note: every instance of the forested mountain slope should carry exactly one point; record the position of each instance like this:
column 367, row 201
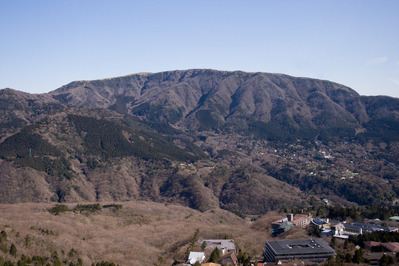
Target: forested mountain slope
column 246, row 142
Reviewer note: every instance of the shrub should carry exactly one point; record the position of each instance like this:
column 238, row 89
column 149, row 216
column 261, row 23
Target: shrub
column 88, row 208
column 59, row 208
column 13, row 250
column 215, row 255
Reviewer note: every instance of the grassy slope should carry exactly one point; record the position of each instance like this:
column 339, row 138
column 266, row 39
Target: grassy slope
column 141, row 232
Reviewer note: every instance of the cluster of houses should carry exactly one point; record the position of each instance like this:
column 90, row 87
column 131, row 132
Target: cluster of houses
column 343, row 230
column 375, row 250
column 226, row 247
column 315, row 250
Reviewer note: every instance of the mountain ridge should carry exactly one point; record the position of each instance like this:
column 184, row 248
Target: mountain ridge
column 222, row 97
column 246, row 142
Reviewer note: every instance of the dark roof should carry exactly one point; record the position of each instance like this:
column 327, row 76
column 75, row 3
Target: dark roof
column 300, row 246
column 230, row 256
column 393, row 246
column 372, row 227
column 353, row 226
column 371, row 244
column 375, row 256
column 319, row 221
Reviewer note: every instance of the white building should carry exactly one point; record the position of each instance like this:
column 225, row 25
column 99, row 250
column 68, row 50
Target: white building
column 196, row 256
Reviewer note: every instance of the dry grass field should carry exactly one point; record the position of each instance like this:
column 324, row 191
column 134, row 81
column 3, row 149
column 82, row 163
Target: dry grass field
column 140, row 233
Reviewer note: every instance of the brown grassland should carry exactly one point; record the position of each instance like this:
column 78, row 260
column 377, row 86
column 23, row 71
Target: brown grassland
column 141, row 233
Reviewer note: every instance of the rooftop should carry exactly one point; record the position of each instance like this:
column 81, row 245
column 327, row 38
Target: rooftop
column 319, row 221
column 393, row 246
column 302, row 246
column 193, row 257
column 220, row 243
column 372, row 244
column 298, row 220
column 375, row 256
column 373, row 227
column 194, row 254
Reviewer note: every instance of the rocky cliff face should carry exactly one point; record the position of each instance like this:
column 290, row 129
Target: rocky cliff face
column 247, row 142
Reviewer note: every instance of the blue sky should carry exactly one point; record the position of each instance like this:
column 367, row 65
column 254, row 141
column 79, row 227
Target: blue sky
column 47, row 44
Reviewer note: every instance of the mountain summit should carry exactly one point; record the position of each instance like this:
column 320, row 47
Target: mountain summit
column 270, row 105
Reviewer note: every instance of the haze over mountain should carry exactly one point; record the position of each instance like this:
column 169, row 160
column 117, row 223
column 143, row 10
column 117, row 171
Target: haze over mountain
column 246, row 142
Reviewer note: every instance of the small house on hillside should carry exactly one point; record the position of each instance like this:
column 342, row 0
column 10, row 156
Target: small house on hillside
column 392, row 246
column 372, row 246
column 229, row 259
column 194, row 257
column 379, row 247
column 224, row 245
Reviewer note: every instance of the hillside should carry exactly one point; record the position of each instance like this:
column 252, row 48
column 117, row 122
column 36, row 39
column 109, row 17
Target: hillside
column 245, row 142
column 139, row 232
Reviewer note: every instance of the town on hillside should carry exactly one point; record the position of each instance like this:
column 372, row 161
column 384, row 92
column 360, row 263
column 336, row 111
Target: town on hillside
column 329, row 242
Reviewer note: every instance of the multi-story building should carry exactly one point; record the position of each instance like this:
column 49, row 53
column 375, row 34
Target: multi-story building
column 285, row 224
column 315, row 250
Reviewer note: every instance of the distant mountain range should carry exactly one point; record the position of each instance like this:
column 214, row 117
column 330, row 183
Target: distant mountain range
column 246, row 142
